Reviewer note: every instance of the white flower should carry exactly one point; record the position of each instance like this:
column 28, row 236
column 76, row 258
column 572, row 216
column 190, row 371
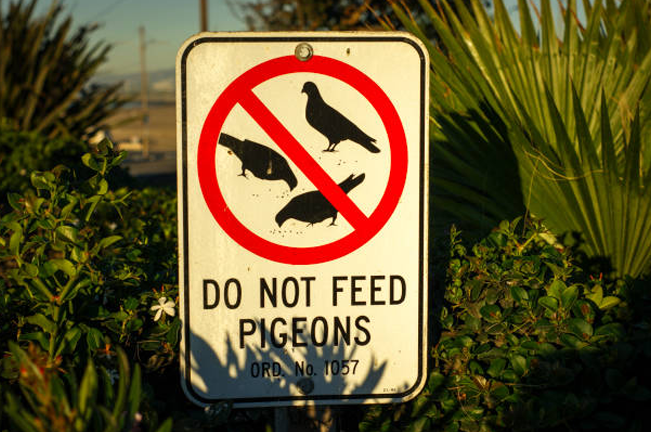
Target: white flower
column 163, row 305
column 113, row 375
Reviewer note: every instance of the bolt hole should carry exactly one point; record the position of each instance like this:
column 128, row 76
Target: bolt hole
column 303, row 51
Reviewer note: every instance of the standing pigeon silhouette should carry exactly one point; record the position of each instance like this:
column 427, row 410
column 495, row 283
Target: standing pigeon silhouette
column 331, row 123
column 313, row 207
column 261, row 161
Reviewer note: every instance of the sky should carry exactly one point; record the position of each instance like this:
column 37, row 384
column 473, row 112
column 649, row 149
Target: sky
column 168, row 23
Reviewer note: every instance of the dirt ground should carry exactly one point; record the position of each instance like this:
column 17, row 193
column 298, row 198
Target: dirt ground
column 161, row 126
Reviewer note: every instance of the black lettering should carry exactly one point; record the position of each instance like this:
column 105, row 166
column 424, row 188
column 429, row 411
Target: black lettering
column 299, row 368
column 296, row 331
column 324, row 333
column 238, row 292
column 336, row 288
column 266, row 368
column 275, row 369
column 354, row 289
column 341, row 332
column 244, row 332
column 270, row 292
column 255, row 369
column 403, row 289
column 367, row 336
column 286, row 301
column 206, row 303
column 375, row 289
column 263, row 333
column 275, row 335
column 308, row 280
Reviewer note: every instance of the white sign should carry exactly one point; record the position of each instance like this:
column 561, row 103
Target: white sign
column 303, row 168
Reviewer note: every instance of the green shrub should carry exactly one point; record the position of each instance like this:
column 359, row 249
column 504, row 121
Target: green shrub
column 86, row 272
column 559, row 126
column 58, row 402
column 526, row 341
column 45, row 70
column 81, row 271
column 24, row 152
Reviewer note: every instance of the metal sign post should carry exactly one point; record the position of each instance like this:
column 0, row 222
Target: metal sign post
column 303, row 168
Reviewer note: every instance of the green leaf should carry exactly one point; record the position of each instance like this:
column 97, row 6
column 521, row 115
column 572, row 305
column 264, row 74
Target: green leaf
column 17, row 414
column 39, row 337
column 14, row 242
column 102, row 187
column 166, row 426
column 491, row 313
column 94, row 339
column 569, row 296
column 549, row 303
column 580, row 327
column 135, row 391
column 571, row 341
column 556, row 289
column 519, row 364
column 108, row 241
column 40, row 180
column 119, row 158
column 131, row 303
column 67, row 232
column 496, row 367
column 88, row 160
column 40, row 320
column 31, row 270
column 519, row 294
column 14, row 200
column 88, row 392
column 596, row 294
column 609, row 302
column 69, row 341
column 123, row 383
column 612, row 331
column 65, row 266
column 436, row 380
column 509, row 376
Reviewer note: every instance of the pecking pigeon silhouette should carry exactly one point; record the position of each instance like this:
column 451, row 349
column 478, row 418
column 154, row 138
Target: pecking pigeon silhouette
column 313, row 207
column 331, row 123
column 261, row 161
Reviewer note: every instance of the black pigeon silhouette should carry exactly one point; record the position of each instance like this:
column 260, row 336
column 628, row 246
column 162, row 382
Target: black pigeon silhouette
column 331, row 123
column 261, row 161
column 313, row 207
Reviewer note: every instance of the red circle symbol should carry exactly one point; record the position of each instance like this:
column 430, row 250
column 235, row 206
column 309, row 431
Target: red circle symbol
column 240, row 92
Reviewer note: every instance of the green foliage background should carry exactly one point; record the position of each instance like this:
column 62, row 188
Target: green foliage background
column 45, row 73
column 550, row 121
column 533, row 136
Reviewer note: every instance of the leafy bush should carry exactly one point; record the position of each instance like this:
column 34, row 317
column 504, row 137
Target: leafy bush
column 525, row 339
column 45, row 71
column 557, row 126
column 78, row 280
column 86, row 272
column 61, row 403
column 528, row 342
column 24, row 152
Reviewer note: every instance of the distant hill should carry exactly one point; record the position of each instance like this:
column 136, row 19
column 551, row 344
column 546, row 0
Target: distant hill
column 161, row 83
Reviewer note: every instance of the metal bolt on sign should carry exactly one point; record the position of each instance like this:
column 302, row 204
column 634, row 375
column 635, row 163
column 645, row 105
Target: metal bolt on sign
column 304, row 51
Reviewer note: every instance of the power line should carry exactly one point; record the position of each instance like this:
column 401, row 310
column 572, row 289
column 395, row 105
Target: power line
column 108, row 9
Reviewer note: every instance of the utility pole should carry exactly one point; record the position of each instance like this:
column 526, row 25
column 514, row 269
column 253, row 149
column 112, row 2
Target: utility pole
column 144, row 94
column 203, row 15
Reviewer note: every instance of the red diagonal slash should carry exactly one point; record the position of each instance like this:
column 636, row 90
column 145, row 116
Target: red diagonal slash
column 302, row 159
